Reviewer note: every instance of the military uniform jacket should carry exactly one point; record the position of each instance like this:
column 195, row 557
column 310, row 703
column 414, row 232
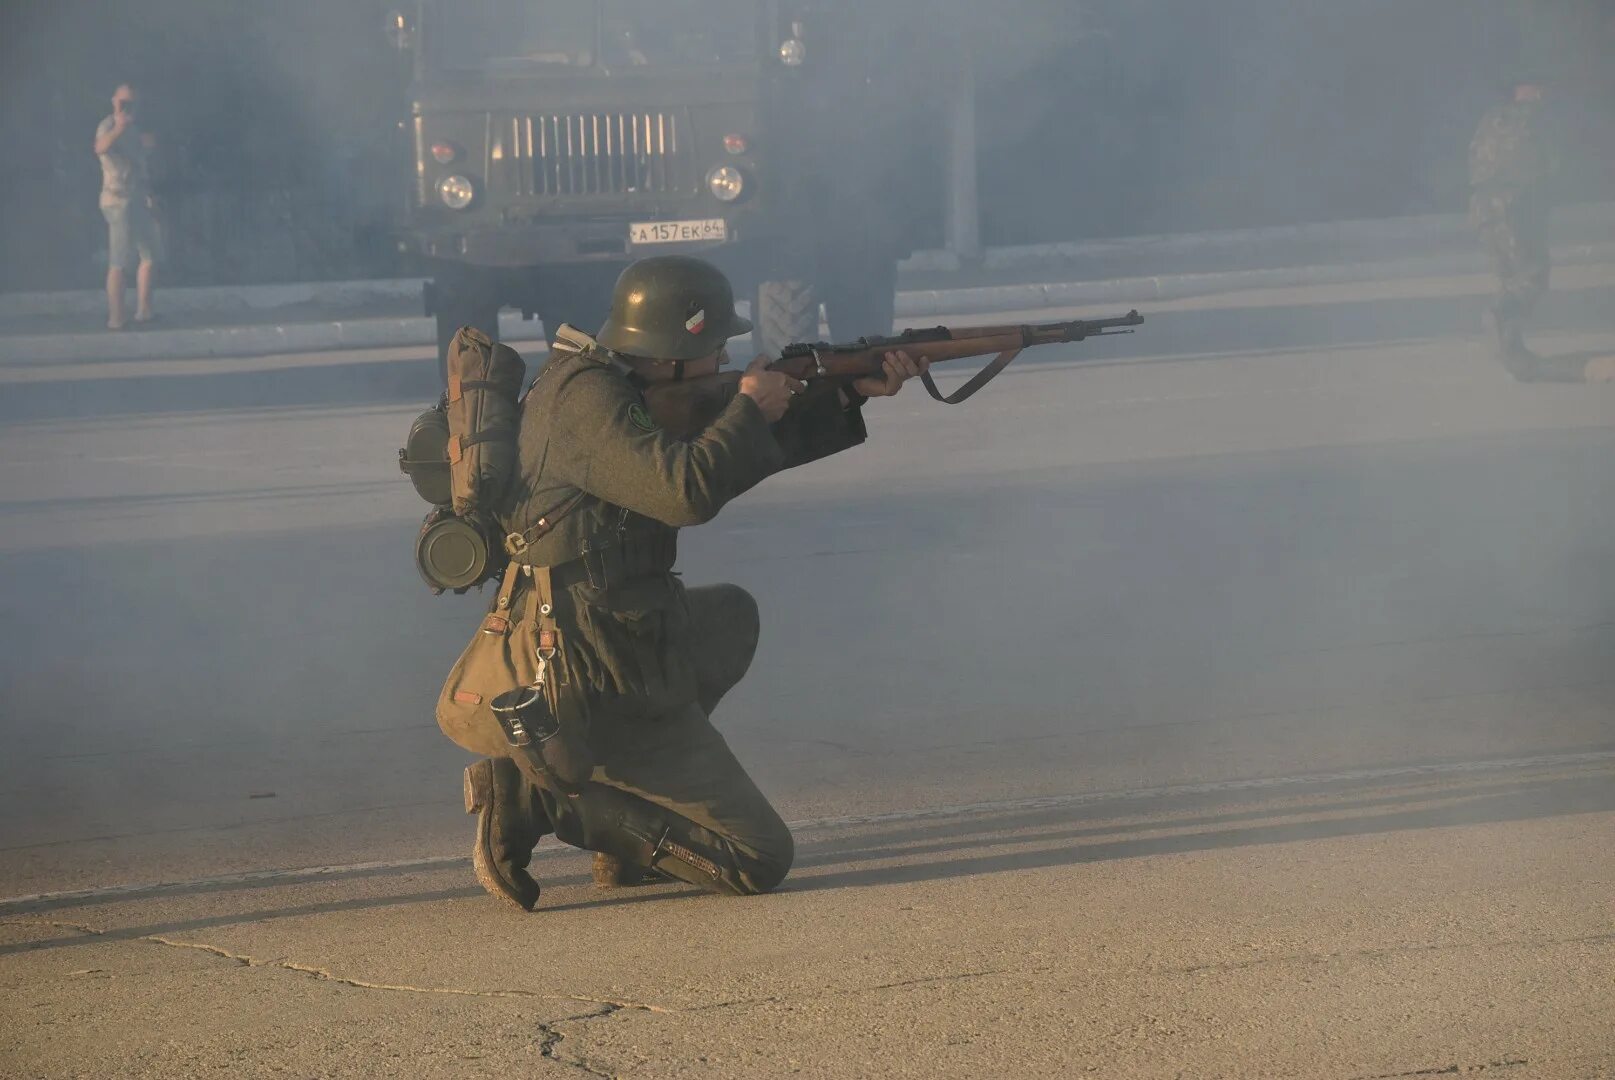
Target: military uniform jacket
column 1513, row 150
column 617, row 488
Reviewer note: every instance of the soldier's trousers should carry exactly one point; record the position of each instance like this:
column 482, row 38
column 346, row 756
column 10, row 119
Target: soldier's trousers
column 1513, row 226
column 667, row 792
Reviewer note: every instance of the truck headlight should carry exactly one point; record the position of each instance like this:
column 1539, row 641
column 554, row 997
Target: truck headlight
column 726, row 182
column 792, row 52
column 456, row 192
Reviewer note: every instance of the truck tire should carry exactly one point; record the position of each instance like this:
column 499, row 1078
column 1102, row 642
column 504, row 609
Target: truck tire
column 783, row 313
column 862, row 305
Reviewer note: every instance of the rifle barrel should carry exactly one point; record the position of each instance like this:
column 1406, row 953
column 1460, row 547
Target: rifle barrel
column 940, row 344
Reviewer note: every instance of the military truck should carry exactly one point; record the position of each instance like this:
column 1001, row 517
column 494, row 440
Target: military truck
column 554, row 141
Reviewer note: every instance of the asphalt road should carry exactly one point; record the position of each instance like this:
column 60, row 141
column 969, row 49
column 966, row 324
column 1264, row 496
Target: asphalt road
column 1235, row 699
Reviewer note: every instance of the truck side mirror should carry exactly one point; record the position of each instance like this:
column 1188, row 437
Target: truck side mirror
column 400, row 30
column 791, row 50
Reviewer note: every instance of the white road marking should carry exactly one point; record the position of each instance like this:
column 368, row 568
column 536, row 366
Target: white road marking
column 110, row 892
column 1043, row 802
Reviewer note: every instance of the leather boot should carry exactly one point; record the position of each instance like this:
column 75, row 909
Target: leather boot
column 510, row 822
column 638, row 833
column 1508, row 342
column 1493, row 326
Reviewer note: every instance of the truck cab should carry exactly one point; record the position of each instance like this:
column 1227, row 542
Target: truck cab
column 555, row 141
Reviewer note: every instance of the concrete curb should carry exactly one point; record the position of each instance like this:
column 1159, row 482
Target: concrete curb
column 208, row 343
column 1297, row 245
column 1134, row 291
column 346, row 295
column 302, row 337
column 1409, row 235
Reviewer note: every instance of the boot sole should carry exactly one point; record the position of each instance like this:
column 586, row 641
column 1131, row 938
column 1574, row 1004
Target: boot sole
column 477, row 795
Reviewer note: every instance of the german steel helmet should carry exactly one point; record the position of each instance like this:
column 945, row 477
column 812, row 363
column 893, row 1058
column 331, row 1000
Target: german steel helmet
column 671, row 307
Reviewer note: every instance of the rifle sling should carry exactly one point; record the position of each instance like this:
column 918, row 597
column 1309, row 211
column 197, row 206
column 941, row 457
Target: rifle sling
column 977, row 381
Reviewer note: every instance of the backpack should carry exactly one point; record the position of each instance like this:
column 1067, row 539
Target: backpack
column 461, row 455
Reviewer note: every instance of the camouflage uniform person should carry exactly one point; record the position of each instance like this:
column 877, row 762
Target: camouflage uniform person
column 644, row 658
column 1512, row 164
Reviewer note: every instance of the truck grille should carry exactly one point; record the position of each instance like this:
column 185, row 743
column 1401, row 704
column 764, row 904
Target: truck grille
column 605, row 153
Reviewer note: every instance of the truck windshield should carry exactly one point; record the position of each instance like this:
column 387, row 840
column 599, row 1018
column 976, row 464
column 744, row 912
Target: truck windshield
column 514, row 35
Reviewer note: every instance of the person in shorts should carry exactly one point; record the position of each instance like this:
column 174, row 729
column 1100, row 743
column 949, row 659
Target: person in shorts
column 123, row 149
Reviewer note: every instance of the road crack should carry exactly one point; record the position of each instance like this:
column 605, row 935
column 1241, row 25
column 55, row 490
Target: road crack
column 212, row 950
column 55, row 924
column 551, row 1037
column 1447, row 1070
column 1374, row 954
column 607, row 1005
column 550, row 1033
column 931, row 979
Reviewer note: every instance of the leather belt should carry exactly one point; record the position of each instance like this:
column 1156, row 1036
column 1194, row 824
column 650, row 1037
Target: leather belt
column 601, row 570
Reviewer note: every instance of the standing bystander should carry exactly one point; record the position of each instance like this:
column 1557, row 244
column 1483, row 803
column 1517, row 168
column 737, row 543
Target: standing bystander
column 1513, row 161
column 126, row 204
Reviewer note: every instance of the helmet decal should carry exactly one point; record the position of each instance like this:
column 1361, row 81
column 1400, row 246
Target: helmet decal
column 670, row 307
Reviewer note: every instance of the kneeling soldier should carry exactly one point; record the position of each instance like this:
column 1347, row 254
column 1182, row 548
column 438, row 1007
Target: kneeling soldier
column 594, row 517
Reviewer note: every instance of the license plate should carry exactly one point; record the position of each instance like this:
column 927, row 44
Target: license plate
column 675, row 232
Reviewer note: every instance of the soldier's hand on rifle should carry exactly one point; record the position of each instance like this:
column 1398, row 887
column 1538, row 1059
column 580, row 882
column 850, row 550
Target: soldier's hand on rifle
column 771, row 390
column 896, row 369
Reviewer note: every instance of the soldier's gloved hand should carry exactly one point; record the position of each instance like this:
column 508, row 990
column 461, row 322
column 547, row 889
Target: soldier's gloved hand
column 896, row 369
column 771, row 390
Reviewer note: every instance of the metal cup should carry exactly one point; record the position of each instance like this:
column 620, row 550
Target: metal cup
column 531, row 727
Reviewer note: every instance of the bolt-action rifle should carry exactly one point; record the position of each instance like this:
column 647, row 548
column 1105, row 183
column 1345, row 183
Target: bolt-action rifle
column 688, row 406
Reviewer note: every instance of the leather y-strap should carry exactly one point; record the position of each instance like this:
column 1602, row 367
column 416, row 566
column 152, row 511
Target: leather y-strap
column 541, row 610
column 977, row 381
column 498, row 621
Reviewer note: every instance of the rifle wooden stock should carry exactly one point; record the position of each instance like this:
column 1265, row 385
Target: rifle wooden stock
column 685, row 408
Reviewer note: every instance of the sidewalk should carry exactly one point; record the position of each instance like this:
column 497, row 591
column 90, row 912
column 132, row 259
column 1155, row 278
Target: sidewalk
column 197, row 323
